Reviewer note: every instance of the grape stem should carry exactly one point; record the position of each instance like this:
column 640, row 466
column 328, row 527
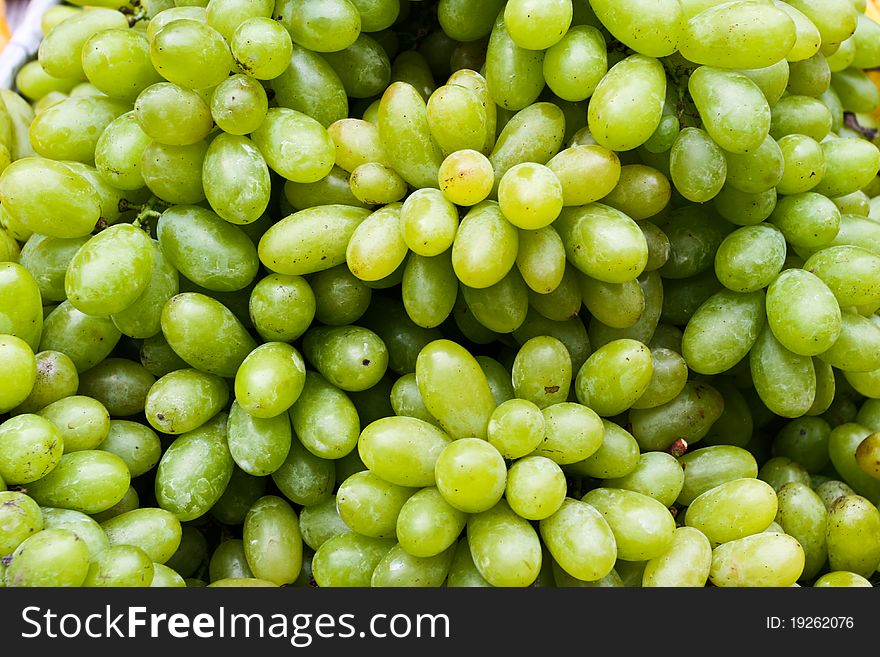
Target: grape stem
column 851, row 121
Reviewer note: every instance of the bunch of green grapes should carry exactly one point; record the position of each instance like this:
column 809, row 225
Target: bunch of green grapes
column 388, row 293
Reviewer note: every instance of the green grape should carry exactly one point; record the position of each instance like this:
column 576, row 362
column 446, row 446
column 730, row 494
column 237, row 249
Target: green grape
column 173, row 115
column 841, row 578
column 848, row 271
column 764, row 559
column 117, row 62
column 191, row 54
column 471, row 475
column 804, row 440
column 20, row 518
column 759, row 170
column 184, row 400
column 239, row 104
column 800, row 115
column 624, row 253
column 324, row 26
column 325, row 419
column 60, row 49
column 807, row 37
column 771, row 363
column 516, row 428
column 357, row 142
column 537, row 25
column 533, row 134
column 376, row 247
column 56, row 378
column 270, row 380
column 31, row 447
column 349, row 560
column 641, row 192
column 580, row 540
column 750, row 258
column 202, row 456
column 120, row 565
column 369, row 505
column 119, row 150
column 375, row 184
column 334, row 188
column 51, row 557
column 575, row 65
column 542, row 371
column 614, row 377
column 832, row 489
column 429, row 289
column 321, row 522
column 734, row 111
column 505, row 548
column 207, row 250
column 866, row 455
column 405, row 132
column 802, row 515
column 668, row 378
column 83, row 422
column 617, row 456
column 121, row 385
column 464, row 21
column 399, row 568
column 33, row 83
column 272, row 540
column 311, row 86
column 742, row 208
column 649, row 28
column 205, row 333
column 466, row 177
column 193, row 10
column 501, row 307
column 226, row 15
column 46, row 197
column 377, row 15
column 540, row 259
column 850, row 165
column 436, row 363
column 535, row 488
column 299, row 244
column 809, row 77
column 854, row 349
column 80, row 524
column 514, row 74
column 530, row 195
column 89, row 481
column 350, row 357
column 626, row 107
column 129, row 502
column 708, row 38
column 854, row 203
column 295, row 145
column 572, row 433
column 836, row 21
column 340, row 296
column 407, row 401
column 363, row 67
column 429, row 222
column 55, row 14
column 18, row 361
column 686, row 563
column 174, row 173
column 134, row 443
column 657, row 475
column 865, row 36
column 852, row 535
column 643, row 528
column 807, row 220
column 586, row 173
column 733, row 510
column 803, row 313
column 110, row 271
column 843, row 443
column 697, row 165
column 688, row 416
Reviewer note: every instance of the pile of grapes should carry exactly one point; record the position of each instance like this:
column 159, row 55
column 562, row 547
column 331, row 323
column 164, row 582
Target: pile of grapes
column 457, row 293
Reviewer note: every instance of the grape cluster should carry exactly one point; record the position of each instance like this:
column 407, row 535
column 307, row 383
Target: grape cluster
column 417, row 293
